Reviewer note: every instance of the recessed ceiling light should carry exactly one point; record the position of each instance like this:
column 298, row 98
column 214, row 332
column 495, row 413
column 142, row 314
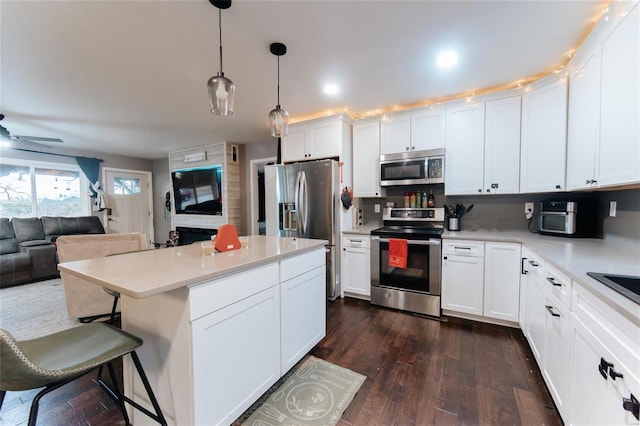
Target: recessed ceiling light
column 331, row 89
column 447, row 59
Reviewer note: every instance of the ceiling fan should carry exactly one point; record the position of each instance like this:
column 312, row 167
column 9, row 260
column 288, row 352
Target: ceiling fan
column 24, row 142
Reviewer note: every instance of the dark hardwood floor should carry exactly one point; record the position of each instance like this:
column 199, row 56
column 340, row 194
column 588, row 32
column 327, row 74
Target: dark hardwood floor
column 419, row 372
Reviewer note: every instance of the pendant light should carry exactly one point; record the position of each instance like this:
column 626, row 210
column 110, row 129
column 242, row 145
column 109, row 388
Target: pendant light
column 222, row 91
column 278, row 118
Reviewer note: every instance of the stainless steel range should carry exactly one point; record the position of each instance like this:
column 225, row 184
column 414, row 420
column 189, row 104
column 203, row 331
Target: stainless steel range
column 415, row 288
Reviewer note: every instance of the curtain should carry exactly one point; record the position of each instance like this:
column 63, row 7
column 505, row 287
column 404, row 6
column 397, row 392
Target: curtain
column 91, row 169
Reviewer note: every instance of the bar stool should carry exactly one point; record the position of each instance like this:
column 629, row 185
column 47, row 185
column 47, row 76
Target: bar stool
column 59, row 358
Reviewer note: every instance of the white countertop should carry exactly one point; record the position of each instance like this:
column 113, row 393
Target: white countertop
column 575, row 257
column 362, row 230
column 146, row 273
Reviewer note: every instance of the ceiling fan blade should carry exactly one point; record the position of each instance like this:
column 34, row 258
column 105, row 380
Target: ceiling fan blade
column 35, row 139
column 23, row 144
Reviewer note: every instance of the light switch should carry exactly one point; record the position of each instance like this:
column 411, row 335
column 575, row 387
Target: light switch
column 376, row 208
column 613, row 206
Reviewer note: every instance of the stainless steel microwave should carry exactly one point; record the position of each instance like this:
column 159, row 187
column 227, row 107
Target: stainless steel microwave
column 568, row 218
column 412, row 168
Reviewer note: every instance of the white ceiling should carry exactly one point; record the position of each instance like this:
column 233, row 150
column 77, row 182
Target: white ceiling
column 129, row 77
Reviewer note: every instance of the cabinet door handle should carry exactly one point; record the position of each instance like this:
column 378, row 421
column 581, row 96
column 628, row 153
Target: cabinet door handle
column 550, row 309
column 462, row 248
column 553, row 281
column 532, row 263
column 522, row 270
column 631, row 404
column 604, row 367
column 614, row 374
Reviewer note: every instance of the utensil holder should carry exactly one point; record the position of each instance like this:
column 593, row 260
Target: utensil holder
column 453, row 224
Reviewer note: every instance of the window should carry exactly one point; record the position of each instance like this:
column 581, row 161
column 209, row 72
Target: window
column 126, row 186
column 35, row 189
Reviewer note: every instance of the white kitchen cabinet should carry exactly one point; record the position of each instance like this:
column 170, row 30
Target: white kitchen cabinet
column 501, row 280
column 356, row 265
column 303, row 313
column 535, row 309
column 595, row 399
column 463, row 276
column 619, row 149
column 427, row 129
column 464, row 171
column 395, row 133
column 258, row 317
column 584, row 111
column 502, row 146
column 366, row 164
column 606, row 361
column 544, row 138
column 317, row 139
column 557, row 357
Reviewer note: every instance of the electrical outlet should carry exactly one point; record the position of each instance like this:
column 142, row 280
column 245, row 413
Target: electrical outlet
column 613, row 206
column 528, row 210
column 376, row 208
column 528, row 207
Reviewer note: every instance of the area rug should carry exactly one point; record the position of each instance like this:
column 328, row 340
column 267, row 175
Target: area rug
column 32, row 310
column 317, row 392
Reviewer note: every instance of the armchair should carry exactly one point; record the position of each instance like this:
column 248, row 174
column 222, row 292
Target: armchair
column 85, row 299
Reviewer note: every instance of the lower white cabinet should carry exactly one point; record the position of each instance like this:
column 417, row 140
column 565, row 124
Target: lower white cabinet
column 481, row 278
column 462, row 276
column 356, row 261
column 303, row 319
column 501, row 280
column 258, row 319
column 556, row 365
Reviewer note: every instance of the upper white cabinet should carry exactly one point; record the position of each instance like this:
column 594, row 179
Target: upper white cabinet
column 582, row 139
column 427, row 129
column 417, row 130
column 464, row 170
column 395, row 133
column 316, row 139
column 366, row 164
column 603, row 145
column 619, row 153
column 544, row 138
column 483, row 148
column 502, row 146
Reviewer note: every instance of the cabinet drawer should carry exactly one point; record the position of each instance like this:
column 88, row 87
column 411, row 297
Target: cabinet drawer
column 361, row 241
column 217, row 294
column 558, row 284
column 298, row 265
column 463, row 248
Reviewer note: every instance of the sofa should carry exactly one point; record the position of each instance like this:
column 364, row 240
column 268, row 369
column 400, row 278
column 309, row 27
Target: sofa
column 28, row 245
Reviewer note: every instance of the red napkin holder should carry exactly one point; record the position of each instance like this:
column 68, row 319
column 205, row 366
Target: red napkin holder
column 227, row 238
column 398, row 252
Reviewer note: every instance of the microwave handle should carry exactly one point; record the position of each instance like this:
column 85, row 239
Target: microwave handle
column 430, row 242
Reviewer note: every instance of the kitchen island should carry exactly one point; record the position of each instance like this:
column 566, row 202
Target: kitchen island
column 218, row 329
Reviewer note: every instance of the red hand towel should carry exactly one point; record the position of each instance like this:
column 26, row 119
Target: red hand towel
column 398, row 251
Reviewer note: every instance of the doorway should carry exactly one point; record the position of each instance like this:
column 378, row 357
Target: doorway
column 129, row 201
column 257, row 190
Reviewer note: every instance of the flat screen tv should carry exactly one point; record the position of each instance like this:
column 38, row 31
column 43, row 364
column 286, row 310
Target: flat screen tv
column 198, row 190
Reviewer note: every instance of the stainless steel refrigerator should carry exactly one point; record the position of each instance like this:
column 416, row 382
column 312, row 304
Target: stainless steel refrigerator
column 303, row 200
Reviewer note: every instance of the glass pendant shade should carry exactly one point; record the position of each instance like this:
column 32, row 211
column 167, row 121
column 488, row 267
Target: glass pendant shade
column 279, row 122
column 222, row 93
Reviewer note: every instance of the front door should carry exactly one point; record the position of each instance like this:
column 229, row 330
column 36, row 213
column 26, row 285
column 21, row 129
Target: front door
column 128, row 201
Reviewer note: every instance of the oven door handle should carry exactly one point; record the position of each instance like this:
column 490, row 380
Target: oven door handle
column 431, row 242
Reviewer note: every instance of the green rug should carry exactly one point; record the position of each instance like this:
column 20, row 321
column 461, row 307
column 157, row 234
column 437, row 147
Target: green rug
column 316, row 392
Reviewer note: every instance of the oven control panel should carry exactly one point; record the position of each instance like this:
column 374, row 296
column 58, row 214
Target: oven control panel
column 414, row 214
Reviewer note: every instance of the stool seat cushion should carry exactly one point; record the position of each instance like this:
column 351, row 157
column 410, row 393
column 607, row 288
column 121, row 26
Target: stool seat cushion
column 59, row 356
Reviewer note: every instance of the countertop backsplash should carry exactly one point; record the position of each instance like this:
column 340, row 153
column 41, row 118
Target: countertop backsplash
column 506, row 212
